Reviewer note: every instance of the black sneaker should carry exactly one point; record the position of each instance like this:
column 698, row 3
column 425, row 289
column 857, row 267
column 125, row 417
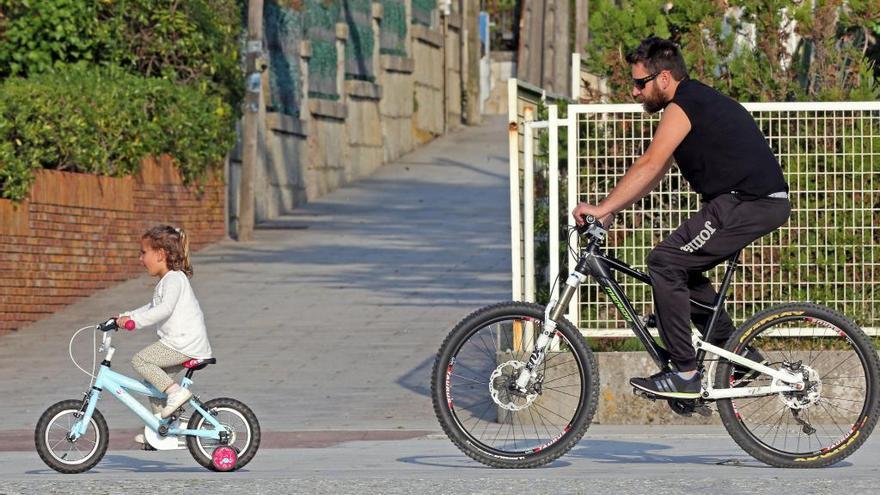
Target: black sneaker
column 669, row 384
column 743, row 376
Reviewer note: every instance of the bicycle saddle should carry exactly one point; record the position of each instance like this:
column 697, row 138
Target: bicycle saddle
column 197, row 364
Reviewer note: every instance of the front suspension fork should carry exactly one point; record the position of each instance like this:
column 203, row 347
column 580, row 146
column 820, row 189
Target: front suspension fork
column 551, row 315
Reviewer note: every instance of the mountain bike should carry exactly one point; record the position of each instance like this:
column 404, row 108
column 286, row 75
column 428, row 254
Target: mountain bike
column 514, row 384
column 72, row 436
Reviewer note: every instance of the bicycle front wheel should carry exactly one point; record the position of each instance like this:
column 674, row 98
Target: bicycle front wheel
column 483, row 413
column 56, row 447
column 836, row 411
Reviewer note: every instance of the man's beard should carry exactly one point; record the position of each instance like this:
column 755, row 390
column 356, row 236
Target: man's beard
column 654, row 103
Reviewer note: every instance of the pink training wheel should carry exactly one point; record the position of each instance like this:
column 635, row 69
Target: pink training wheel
column 224, row 458
column 129, row 325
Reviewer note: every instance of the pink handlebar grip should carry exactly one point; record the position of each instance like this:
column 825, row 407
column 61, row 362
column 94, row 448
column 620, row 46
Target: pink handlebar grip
column 129, row 325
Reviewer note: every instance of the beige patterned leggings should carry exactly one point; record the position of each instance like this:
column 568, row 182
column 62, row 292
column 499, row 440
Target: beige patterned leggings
column 155, row 363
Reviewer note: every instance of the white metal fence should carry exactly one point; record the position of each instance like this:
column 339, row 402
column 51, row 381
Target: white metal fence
column 829, row 252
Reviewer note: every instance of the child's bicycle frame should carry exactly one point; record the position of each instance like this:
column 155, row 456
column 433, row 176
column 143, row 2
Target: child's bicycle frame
column 211, row 442
column 515, row 384
column 118, row 384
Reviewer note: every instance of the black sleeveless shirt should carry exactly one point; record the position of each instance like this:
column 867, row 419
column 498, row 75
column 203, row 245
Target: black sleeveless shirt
column 725, row 150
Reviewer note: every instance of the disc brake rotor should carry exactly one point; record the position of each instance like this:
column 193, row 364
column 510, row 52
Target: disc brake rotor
column 809, row 396
column 503, row 390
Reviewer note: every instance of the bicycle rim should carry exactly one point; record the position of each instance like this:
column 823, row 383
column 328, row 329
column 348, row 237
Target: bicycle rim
column 827, row 416
column 234, row 421
column 65, row 451
column 494, row 417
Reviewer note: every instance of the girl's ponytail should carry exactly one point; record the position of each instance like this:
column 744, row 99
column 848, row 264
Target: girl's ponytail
column 184, row 249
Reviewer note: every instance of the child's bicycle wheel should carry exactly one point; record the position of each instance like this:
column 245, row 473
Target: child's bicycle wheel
column 54, row 445
column 838, row 408
column 238, row 419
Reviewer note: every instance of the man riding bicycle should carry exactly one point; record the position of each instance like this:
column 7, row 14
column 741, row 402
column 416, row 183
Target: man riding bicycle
column 725, row 158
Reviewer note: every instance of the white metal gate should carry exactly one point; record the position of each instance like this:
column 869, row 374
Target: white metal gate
column 829, row 252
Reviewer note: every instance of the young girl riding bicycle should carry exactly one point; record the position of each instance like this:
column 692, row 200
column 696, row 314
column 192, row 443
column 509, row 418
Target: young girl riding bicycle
column 176, row 312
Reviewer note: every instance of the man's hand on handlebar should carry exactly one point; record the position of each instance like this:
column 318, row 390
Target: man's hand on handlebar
column 583, row 209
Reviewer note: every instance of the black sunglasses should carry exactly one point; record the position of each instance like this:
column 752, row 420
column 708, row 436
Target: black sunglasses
column 640, row 83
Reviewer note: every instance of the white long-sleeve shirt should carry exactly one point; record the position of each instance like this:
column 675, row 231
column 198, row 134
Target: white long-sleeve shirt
column 177, row 312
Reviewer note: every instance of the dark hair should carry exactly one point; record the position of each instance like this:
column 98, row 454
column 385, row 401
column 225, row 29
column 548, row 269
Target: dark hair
column 657, row 54
column 175, row 243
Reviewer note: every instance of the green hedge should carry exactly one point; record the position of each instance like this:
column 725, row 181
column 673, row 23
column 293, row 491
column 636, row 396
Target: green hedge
column 97, row 86
column 105, row 121
column 194, row 42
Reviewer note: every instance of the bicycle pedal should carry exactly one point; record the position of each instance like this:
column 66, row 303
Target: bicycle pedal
column 645, row 395
column 703, row 411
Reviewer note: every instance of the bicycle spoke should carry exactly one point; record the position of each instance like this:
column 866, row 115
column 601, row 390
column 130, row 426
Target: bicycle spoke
column 561, row 377
column 838, row 366
column 470, row 379
column 552, row 412
column 832, row 418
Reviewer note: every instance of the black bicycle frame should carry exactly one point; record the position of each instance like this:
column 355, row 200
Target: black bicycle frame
column 594, row 263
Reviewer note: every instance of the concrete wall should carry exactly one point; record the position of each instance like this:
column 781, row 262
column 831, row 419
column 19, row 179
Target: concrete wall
column 429, row 83
column 365, row 140
column 413, row 99
column 396, row 78
column 618, row 404
column 502, row 67
column 453, row 72
column 79, row 233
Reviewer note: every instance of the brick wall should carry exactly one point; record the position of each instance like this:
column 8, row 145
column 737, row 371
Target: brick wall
column 78, row 233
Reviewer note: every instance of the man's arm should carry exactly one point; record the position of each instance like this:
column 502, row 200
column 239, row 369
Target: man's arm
column 646, row 172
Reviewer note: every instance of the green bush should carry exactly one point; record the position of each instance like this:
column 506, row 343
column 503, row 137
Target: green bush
column 194, row 42
column 105, row 121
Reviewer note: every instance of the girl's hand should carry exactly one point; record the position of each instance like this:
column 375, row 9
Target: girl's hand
column 122, row 320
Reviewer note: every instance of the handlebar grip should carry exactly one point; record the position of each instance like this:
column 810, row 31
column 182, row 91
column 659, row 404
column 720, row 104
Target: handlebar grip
column 129, row 325
column 589, row 221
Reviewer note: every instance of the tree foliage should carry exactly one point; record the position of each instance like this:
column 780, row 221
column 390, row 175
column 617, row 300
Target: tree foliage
column 752, row 50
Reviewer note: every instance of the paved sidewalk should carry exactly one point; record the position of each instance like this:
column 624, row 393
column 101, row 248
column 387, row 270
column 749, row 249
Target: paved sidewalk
column 330, row 318
column 628, row 460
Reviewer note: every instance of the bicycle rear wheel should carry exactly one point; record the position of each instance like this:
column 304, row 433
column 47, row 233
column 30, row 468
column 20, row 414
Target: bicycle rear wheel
column 838, row 409
column 487, row 418
column 238, row 419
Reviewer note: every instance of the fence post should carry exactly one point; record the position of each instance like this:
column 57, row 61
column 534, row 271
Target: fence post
column 572, row 198
column 515, row 220
column 528, row 207
column 553, row 197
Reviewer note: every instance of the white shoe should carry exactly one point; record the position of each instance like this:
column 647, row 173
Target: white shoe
column 175, row 400
column 139, row 438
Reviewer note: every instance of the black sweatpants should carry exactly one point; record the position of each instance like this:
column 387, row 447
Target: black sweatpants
column 722, row 227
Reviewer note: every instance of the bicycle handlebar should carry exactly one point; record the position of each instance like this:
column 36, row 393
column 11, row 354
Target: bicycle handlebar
column 590, row 222
column 110, row 324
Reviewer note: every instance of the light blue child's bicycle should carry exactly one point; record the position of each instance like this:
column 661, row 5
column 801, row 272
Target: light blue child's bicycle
column 71, row 436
